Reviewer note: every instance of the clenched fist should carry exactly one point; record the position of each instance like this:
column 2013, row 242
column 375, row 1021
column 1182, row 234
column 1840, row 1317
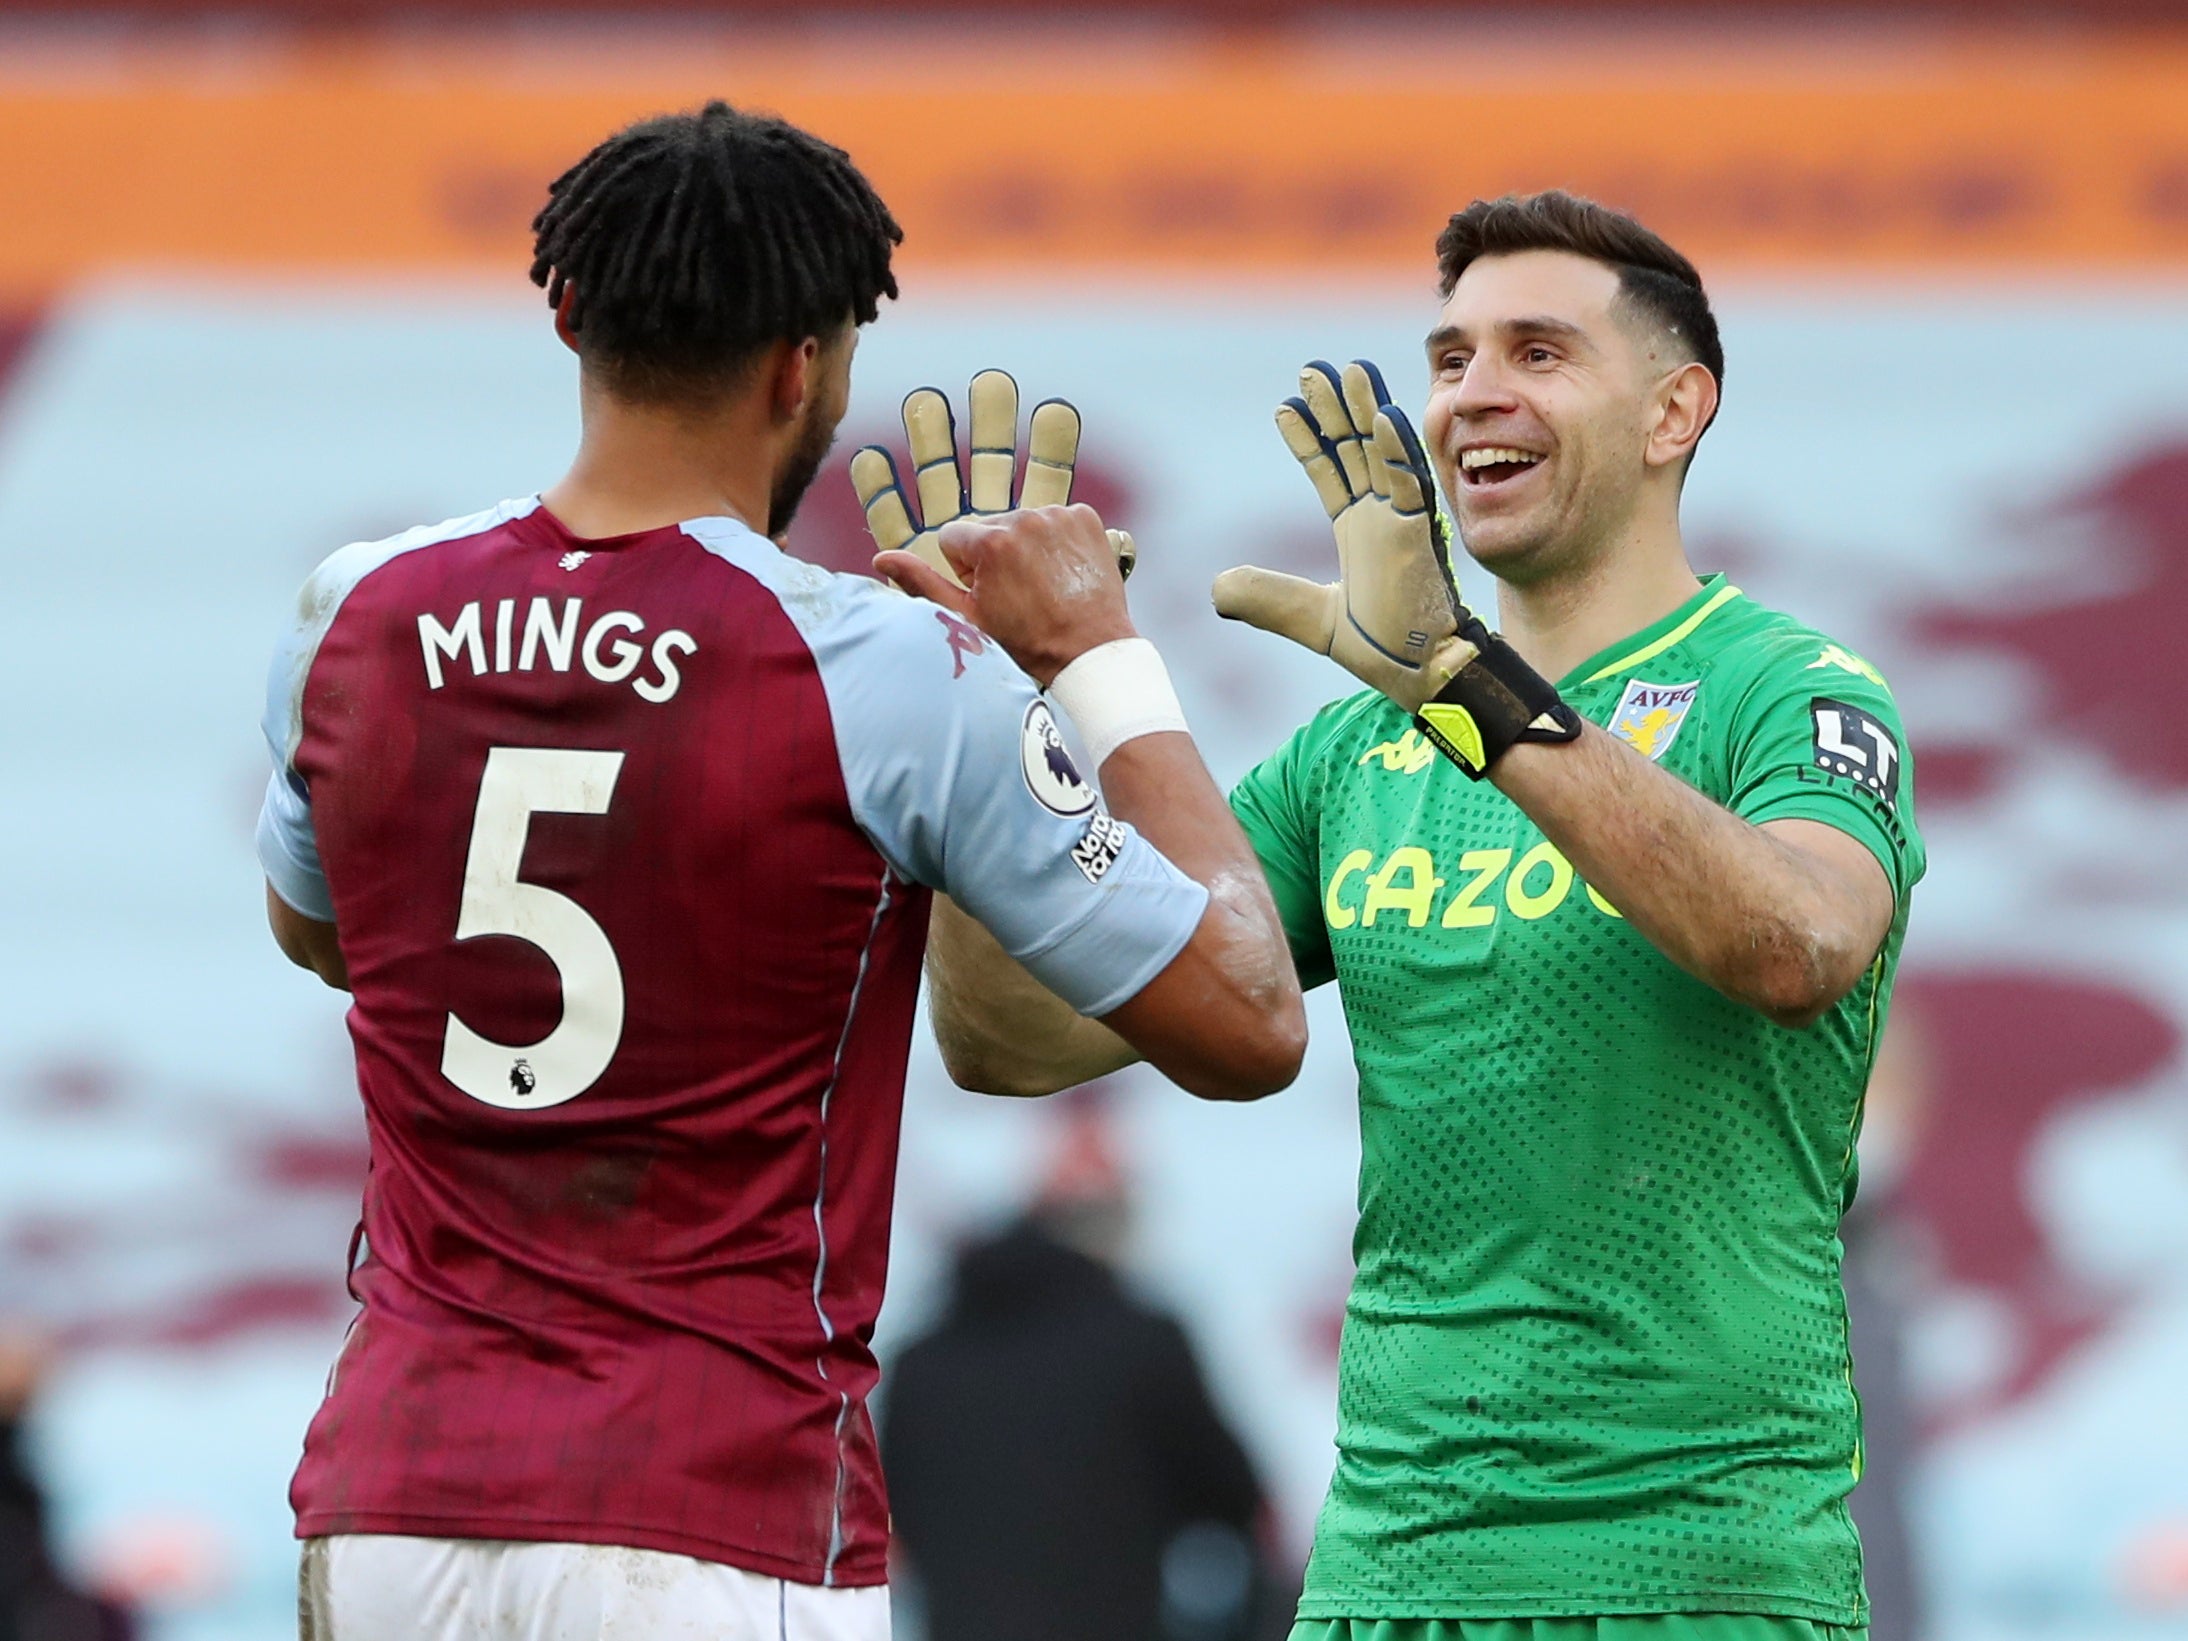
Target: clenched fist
column 1042, row 582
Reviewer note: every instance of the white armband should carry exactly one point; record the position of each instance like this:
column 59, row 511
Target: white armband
column 1117, row 692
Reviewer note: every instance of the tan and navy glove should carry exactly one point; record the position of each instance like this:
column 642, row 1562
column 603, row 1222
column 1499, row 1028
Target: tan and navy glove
column 930, row 432
column 1393, row 617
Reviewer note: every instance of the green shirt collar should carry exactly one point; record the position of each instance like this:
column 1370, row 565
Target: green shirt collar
column 1659, row 635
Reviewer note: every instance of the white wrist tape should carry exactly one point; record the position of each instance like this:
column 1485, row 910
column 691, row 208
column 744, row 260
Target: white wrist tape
column 1117, row 692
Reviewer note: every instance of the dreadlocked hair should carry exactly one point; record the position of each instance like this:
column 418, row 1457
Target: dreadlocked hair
column 689, row 242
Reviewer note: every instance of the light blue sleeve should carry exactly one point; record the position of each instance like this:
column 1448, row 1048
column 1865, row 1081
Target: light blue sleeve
column 956, row 771
column 287, row 847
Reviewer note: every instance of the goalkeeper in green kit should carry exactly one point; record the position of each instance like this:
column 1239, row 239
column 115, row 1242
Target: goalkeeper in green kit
column 1613, row 901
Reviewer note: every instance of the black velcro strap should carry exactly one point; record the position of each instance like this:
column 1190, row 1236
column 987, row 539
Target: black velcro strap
column 1497, row 699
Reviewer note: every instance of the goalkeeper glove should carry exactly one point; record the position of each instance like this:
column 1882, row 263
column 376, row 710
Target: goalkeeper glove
column 1393, row 617
column 930, row 432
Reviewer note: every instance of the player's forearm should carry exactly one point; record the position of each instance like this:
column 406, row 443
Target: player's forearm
column 1000, row 1030
column 1732, row 905
column 306, row 942
column 1225, row 1019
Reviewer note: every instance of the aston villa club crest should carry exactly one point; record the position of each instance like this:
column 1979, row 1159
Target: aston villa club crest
column 1650, row 716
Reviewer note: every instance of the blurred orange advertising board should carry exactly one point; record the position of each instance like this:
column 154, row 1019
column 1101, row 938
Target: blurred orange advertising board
column 1089, row 153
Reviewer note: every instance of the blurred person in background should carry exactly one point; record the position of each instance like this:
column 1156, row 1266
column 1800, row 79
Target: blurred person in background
column 1615, row 952
column 621, row 825
column 37, row 1603
column 1055, row 1464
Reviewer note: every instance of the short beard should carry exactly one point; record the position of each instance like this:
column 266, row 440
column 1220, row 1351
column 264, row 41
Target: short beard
column 798, row 473
column 1552, row 555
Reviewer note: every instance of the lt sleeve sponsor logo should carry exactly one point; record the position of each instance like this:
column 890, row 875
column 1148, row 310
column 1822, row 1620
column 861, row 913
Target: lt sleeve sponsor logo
column 1856, row 746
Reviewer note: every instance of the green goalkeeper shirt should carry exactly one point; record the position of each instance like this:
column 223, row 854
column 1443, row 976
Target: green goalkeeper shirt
column 1595, row 1355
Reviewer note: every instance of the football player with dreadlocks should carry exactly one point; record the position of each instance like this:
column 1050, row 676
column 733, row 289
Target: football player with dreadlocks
column 621, row 826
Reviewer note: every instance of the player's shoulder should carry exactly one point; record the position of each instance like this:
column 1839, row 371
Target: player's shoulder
column 1751, row 642
column 857, row 626
column 1770, row 646
column 814, row 598
column 326, row 591
column 1805, row 693
column 1341, row 726
column 1342, row 737
column 339, row 573
column 893, row 666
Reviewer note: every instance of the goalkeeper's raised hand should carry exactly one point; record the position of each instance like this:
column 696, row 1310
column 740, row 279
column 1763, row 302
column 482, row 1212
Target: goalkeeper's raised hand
column 1393, row 617
column 930, row 432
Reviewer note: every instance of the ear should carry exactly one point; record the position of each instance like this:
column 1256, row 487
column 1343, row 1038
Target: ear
column 791, row 377
column 563, row 310
column 1684, row 406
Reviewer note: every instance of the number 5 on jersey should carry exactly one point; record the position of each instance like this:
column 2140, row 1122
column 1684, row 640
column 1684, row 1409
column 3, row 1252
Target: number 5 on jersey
column 519, row 782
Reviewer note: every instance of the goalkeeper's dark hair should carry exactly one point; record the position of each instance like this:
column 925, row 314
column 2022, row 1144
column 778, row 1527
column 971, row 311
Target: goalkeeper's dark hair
column 694, row 240
column 1654, row 280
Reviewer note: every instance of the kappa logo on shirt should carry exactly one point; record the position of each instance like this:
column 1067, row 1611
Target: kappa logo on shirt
column 1409, row 754
column 965, row 639
column 1650, row 716
column 1846, row 661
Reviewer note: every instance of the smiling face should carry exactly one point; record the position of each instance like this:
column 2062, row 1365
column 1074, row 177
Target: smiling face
column 1545, row 414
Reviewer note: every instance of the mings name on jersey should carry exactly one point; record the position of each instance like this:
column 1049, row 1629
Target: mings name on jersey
column 550, row 634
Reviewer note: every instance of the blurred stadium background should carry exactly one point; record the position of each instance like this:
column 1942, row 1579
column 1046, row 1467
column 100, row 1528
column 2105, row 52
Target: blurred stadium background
column 262, row 292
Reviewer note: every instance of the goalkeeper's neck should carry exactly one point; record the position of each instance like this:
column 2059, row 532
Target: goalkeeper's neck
column 1568, row 604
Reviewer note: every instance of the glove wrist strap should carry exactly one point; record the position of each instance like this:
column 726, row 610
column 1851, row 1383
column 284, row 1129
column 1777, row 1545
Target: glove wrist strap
column 1495, row 701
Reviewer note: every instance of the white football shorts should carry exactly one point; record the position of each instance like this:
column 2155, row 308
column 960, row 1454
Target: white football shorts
column 384, row 1587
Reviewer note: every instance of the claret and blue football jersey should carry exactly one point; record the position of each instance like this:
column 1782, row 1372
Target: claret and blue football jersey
column 629, row 845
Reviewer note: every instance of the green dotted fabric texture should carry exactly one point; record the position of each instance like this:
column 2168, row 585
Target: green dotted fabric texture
column 1696, row 1627
column 1595, row 1358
